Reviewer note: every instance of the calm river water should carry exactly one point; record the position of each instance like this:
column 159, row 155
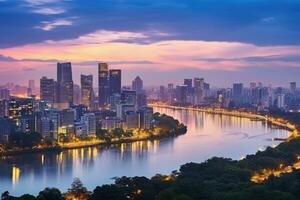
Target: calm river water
column 208, row 135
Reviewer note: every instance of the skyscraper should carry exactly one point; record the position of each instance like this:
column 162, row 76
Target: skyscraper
column 181, row 94
column 293, row 87
column 189, row 84
column 103, row 84
column 4, row 94
column 31, row 87
column 76, row 94
column 115, row 81
column 198, row 90
column 47, row 89
column 87, row 90
column 64, row 84
column 137, row 85
column 237, row 93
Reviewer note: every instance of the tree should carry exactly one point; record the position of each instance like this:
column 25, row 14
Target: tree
column 5, row 196
column 111, row 192
column 50, row 194
column 118, row 132
column 77, row 191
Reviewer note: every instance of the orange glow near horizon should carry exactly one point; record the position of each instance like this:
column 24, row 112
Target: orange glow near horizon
column 169, row 54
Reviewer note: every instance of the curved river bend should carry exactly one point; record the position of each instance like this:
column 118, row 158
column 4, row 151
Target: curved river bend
column 208, row 135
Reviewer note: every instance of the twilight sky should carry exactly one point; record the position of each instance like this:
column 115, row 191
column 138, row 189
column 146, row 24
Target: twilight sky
column 162, row 41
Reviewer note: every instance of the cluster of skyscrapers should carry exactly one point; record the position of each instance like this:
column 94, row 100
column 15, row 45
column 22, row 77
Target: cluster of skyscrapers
column 192, row 91
column 260, row 97
column 59, row 114
column 257, row 96
column 65, row 109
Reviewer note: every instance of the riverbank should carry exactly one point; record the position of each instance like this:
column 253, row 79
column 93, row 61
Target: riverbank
column 85, row 144
column 280, row 122
column 139, row 135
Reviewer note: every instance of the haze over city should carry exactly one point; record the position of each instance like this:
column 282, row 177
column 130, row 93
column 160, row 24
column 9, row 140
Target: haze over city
column 240, row 41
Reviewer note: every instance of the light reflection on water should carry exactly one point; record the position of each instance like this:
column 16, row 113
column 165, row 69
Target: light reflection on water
column 208, row 135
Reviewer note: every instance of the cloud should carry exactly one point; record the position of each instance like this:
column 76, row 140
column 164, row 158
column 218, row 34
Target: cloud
column 29, row 69
column 12, row 59
column 48, row 11
column 269, row 58
column 41, row 2
column 268, row 19
column 6, row 58
column 261, row 23
column 103, row 36
column 46, row 7
column 49, row 25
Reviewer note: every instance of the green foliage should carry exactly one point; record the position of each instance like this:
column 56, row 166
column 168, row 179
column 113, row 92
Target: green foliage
column 24, row 140
column 50, row 194
column 77, row 190
column 168, row 125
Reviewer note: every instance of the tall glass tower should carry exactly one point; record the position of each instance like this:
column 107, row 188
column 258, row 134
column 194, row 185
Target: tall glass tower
column 64, row 83
column 103, row 86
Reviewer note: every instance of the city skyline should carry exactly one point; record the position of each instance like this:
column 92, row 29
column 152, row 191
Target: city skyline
column 143, row 99
column 233, row 45
column 130, row 75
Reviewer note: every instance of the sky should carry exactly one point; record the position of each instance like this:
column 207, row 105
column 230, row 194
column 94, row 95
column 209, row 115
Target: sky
column 162, row 41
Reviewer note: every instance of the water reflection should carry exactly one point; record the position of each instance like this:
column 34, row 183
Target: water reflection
column 208, row 135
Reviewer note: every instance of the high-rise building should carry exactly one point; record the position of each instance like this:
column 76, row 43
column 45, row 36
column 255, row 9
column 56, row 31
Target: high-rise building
column 170, row 93
column 189, row 84
column 19, row 107
column 67, row 117
column 181, row 94
column 198, row 90
column 141, row 100
column 114, row 100
column 7, row 127
column 162, row 94
column 132, row 120
column 206, row 89
column 87, row 93
column 280, row 101
column 146, row 117
column 47, row 90
column 4, row 94
column 122, row 109
column 31, row 88
column 76, row 94
column 89, row 120
column 64, row 84
column 137, row 85
column 252, row 85
column 115, row 81
column 54, row 117
column 4, row 108
column 103, row 86
column 237, row 93
column 293, row 87
column 45, row 127
column 128, row 97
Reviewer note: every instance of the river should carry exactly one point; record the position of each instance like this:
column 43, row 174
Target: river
column 208, row 135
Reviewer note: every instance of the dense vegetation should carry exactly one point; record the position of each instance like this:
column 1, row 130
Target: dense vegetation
column 162, row 126
column 292, row 117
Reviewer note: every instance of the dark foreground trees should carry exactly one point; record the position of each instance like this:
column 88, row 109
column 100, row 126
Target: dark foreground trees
column 215, row 179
